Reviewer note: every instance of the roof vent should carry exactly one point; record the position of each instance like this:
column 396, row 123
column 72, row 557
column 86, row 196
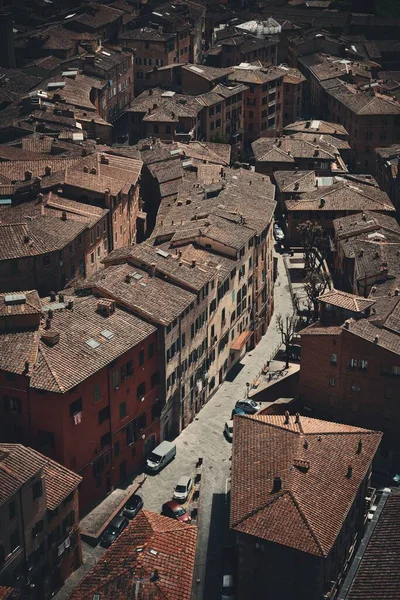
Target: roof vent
column 277, row 484
column 349, row 471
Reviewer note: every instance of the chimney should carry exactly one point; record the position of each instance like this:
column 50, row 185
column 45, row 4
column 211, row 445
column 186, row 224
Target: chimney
column 359, row 446
column 316, row 152
column 364, row 217
column 286, row 421
column 26, row 239
column 51, row 337
column 127, row 278
column 63, row 216
column 296, row 185
column 376, row 339
column 193, row 262
column 305, row 445
column 42, row 210
column 28, row 175
column 50, row 314
column 48, row 323
column 47, row 170
column 104, row 159
column 349, row 471
column 361, row 252
column 26, row 369
column 277, row 484
column 52, row 296
column 297, row 419
column 85, row 169
column 322, row 203
column 347, row 324
column 93, row 171
column 61, row 297
column 153, row 269
column 70, row 305
column 150, row 92
column 107, row 196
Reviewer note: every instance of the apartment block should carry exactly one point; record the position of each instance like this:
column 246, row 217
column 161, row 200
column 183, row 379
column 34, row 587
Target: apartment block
column 98, row 415
column 355, row 346
column 293, row 91
column 50, row 242
column 289, row 541
column 40, row 543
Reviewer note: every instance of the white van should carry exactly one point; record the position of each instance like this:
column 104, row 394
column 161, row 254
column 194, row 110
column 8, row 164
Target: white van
column 161, row 456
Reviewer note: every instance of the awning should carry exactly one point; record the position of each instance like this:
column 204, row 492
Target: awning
column 240, row 341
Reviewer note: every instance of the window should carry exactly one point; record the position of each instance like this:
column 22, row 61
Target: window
column 355, row 387
column 12, row 404
column 353, row 363
column 104, row 414
column 116, row 448
column 96, row 393
column 37, row 490
column 37, row 528
column 139, row 75
column 92, row 258
column 147, row 62
column 115, row 379
column 159, row 62
column 2, row 554
column 218, row 123
column 122, row 410
column 141, row 390
column 141, row 358
column 395, row 370
column 75, row 407
column 155, row 379
column 105, row 440
column 332, row 381
column 333, row 359
column 12, row 512
column 363, row 365
column 138, row 60
column 14, row 540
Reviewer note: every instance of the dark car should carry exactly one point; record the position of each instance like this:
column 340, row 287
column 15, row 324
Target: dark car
column 114, row 529
column 174, row 510
column 250, row 407
column 132, row 506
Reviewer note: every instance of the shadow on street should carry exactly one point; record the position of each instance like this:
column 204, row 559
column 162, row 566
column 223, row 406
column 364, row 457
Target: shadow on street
column 234, row 372
column 218, row 538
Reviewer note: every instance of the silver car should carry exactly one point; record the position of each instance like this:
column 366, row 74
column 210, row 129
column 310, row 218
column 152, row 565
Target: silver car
column 248, row 406
column 229, row 430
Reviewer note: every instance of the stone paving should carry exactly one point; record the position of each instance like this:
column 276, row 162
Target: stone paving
column 204, row 438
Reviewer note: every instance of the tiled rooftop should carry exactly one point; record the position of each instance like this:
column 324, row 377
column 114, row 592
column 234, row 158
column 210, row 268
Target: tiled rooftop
column 153, row 558
column 311, row 458
column 30, row 306
column 377, row 576
column 288, row 149
column 368, row 225
column 71, row 360
column 361, row 102
column 316, row 126
column 173, row 266
column 151, row 297
column 18, row 464
column 357, row 304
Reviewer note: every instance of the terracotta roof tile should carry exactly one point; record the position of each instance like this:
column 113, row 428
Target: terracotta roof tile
column 309, row 510
column 378, row 576
column 117, row 573
column 18, row 464
column 357, row 304
column 72, row 360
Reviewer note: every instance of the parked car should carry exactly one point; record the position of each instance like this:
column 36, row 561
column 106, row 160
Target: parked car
column 278, row 233
column 161, row 456
column 182, row 489
column 114, row 530
column 132, row 506
column 249, row 406
column 174, row 510
column 237, row 411
column 228, row 430
column 228, row 574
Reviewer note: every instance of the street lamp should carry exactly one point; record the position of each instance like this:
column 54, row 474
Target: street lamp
column 248, row 389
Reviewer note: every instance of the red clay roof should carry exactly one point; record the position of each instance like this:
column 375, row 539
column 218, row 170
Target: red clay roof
column 311, row 458
column 153, row 558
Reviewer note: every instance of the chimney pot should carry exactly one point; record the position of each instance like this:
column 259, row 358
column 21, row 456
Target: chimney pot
column 286, row 417
column 47, row 170
column 153, row 269
column 61, row 297
column 297, row 419
column 52, row 296
column 193, row 262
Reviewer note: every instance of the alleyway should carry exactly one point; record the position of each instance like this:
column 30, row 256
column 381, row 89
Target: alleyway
column 204, row 438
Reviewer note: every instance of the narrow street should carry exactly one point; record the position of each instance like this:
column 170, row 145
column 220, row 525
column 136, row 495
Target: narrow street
column 204, row 438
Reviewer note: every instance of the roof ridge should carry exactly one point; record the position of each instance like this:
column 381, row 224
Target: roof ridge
column 256, row 510
column 303, row 516
column 43, row 354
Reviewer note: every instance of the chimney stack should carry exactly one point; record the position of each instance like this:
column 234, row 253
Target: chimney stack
column 153, row 269
column 28, row 175
column 193, row 262
column 359, row 446
column 286, row 417
column 52, row 296
column 349, row 471
column 297, row 419
column 47, row 170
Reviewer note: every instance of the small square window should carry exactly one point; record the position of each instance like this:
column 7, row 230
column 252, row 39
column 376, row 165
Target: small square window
column 122, row 410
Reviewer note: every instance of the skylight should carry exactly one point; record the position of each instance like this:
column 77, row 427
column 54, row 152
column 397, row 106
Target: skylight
column 162, row 253
column 92, row 343
column 106, row 333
